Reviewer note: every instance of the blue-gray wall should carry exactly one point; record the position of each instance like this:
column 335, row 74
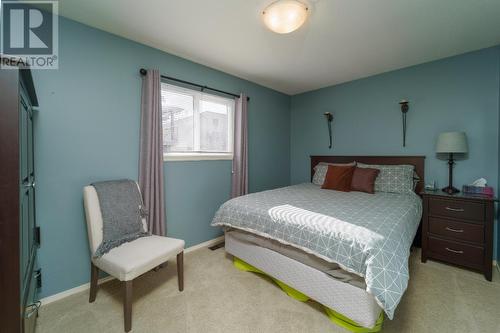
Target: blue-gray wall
column 88, row 130
column 457, row 93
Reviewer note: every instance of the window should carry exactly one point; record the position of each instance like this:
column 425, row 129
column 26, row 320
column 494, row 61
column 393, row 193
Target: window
column 196, row 125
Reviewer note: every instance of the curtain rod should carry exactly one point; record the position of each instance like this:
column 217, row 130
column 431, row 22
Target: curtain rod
column 143, row 72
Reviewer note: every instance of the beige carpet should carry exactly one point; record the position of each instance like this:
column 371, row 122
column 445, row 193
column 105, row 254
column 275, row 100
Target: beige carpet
column 220, row 298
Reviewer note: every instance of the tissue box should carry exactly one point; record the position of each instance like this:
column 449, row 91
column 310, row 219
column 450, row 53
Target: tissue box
column 478, row 190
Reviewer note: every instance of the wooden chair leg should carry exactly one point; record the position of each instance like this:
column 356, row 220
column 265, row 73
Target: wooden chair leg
column 94, row 275
column 180, row 270
column 127, row 305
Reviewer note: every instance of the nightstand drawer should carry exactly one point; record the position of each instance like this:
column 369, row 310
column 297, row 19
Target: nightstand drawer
column 457, row 209
column 458, row 253
column 456, row 230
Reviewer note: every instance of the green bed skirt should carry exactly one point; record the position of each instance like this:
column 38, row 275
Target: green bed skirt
column 334, row 316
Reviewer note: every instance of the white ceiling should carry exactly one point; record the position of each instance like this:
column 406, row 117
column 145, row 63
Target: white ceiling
column 342, row 40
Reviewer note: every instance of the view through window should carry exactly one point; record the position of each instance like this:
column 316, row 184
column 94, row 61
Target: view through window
column 195, row 124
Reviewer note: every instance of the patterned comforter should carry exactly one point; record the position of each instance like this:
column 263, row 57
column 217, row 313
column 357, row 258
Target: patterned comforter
column 366, row 234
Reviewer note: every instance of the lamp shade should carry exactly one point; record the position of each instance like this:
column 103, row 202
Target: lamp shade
column 452, row 142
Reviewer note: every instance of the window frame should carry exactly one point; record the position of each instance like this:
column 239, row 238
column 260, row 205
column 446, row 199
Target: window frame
column 198, row 97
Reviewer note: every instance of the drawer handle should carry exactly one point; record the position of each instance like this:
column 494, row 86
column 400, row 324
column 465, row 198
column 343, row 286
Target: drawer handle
column 454, row 251
column 455, row 209
column 454, row 230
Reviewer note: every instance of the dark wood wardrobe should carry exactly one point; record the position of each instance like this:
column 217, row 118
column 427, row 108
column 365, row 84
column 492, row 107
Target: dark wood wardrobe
column 19, row 234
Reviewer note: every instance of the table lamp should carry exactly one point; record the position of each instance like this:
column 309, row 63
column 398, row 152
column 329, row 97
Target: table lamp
column 451, row 143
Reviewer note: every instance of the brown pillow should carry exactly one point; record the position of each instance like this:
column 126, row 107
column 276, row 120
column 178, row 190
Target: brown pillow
column 322, row 167
column 363, row 179
column 338, row 178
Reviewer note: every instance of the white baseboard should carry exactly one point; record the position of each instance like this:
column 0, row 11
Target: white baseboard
column 205, row 244
column 72, row 291
column 86, row 286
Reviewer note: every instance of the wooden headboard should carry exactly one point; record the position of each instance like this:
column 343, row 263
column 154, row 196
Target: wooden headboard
column 417, row 161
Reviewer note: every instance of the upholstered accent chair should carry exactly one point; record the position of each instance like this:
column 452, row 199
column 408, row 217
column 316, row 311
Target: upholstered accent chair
column 129, row 260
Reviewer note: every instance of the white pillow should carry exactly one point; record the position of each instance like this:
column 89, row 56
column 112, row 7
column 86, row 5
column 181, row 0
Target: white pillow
column 393, row 178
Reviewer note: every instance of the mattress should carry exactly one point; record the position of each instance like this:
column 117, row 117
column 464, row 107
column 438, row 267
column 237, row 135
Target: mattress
column 366, row 234
column 353, row 302
column 332, row 269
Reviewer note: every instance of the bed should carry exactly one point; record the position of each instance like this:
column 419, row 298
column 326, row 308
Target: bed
column 346, row 250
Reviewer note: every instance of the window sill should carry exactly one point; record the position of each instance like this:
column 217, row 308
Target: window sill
column 196, row 157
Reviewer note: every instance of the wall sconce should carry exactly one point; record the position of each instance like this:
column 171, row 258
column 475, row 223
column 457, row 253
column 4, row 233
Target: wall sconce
column 404, row 110
column 329, row 119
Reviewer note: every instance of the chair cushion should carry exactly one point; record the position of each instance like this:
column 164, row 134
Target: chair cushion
column 132, row 259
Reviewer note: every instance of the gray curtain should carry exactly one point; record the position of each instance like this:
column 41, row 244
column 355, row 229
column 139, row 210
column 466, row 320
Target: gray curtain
column 151, row 153
column 239, row 184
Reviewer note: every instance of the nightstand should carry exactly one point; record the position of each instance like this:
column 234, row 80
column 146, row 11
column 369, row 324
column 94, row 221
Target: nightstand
column 458, row 229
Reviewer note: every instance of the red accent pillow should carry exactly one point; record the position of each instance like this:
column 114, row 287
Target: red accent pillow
column 338, row 178
column 363, row 180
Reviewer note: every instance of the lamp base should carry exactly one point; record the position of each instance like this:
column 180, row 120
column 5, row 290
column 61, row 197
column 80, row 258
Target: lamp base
column 450, row 190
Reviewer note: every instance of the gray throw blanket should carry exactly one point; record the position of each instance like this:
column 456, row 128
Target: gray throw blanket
column 122, row 211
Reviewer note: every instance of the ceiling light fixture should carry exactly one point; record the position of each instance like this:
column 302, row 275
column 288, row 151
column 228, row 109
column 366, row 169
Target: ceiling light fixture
column 285, row 16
